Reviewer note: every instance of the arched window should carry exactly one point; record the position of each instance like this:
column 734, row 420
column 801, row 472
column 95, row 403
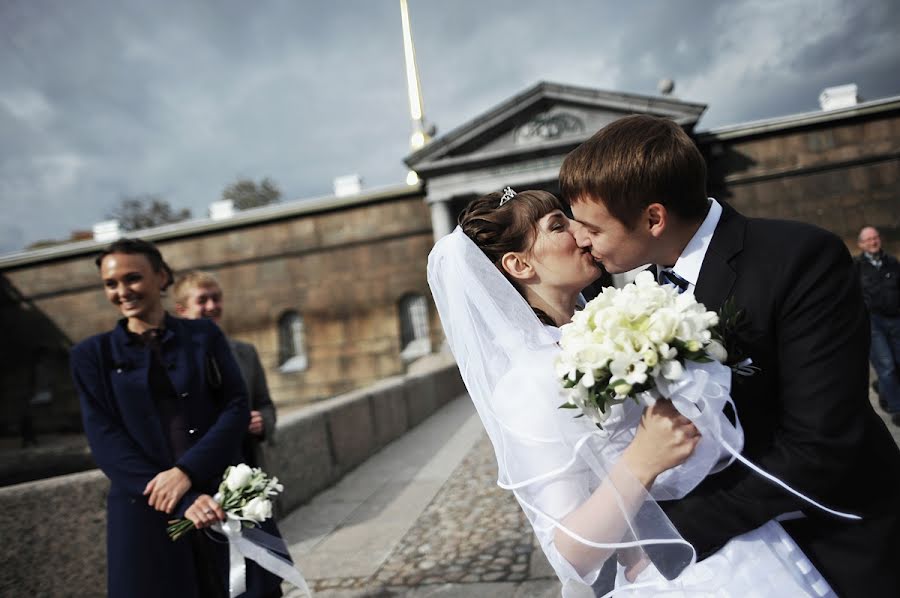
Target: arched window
column 291, row 343
column 415, row 340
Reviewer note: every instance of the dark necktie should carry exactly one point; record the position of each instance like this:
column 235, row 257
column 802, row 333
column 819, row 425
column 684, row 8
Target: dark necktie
column 668, row 276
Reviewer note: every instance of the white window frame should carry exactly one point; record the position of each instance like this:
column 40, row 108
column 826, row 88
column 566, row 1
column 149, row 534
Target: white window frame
column 414, row 322
column 293, row 358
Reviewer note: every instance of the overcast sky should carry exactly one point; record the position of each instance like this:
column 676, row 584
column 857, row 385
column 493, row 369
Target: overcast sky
column 100, row 99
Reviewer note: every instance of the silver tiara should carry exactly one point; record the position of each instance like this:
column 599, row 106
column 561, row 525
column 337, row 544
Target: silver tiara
column 508, row 194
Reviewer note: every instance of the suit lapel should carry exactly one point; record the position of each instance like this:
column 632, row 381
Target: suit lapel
column 717, row 274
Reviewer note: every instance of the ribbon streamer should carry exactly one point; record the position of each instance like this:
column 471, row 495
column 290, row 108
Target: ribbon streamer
column 260, row 547
column 699, row 395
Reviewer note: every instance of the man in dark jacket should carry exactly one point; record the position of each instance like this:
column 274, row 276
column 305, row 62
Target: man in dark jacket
column 880, row 277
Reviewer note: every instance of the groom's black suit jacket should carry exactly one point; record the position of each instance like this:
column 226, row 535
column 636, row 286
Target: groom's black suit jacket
column 806, row 414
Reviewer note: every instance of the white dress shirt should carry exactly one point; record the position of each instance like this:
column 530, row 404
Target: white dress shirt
column 691, row 259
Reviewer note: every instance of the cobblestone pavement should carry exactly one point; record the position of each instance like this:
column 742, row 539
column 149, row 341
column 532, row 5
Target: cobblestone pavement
column 472, row 535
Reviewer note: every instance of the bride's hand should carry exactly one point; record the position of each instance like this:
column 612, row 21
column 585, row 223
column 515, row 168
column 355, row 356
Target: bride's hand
column 664, row 439
column 634, row 560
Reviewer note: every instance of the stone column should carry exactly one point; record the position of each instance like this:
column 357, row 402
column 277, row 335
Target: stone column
column 442, row 222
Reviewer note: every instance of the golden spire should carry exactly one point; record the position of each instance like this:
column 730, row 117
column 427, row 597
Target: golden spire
column 420, row 135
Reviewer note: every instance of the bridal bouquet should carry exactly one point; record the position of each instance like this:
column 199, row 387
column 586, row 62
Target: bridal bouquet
column 244, row 496
column 624, row 340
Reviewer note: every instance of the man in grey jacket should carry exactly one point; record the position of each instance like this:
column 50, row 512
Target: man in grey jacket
column 199, row 295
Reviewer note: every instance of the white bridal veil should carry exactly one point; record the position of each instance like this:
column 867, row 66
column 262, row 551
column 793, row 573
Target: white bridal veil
column 551, row 461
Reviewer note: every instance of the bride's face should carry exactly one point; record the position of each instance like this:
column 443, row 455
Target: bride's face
column 557, row 259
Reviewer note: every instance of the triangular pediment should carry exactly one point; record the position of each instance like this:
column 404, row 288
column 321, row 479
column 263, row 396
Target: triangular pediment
column 545, row 119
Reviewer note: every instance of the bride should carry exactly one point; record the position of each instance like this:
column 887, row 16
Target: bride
column 504, row 282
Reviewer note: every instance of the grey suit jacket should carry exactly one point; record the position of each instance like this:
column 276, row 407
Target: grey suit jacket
column 255, row 378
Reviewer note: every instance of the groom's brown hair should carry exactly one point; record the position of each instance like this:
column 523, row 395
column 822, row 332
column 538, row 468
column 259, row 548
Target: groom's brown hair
column 636, row 161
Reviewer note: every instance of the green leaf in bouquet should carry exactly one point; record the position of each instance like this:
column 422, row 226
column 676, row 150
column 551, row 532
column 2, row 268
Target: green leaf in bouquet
column 613, row 383
column 733, row 327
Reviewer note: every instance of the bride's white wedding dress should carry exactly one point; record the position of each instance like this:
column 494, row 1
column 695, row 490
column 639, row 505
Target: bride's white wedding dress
column 553, row 462
column 763, row 563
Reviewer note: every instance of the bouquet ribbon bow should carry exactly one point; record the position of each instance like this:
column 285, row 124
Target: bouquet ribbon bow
column 700, row 395
column 260, row 547
column 646, row 341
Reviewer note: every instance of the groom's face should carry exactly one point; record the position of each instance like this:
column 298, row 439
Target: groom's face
column 611, row 243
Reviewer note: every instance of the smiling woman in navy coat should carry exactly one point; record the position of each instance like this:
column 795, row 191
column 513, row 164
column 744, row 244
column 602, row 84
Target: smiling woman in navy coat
column 165, row 410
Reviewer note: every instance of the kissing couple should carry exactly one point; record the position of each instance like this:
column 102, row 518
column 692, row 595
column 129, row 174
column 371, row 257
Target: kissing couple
column 511, row 275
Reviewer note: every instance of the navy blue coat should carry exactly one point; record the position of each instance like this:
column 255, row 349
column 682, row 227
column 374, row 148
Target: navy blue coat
column 127, row 440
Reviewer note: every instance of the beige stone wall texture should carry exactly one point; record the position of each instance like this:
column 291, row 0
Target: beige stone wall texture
column 344, row 271
column 838, row 176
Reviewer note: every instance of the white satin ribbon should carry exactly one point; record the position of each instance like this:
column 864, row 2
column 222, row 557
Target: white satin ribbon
column 700, row 394
column 242, row 547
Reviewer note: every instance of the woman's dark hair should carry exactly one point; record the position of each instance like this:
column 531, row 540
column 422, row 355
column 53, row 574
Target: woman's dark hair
column 498, row 230
column 142, row 247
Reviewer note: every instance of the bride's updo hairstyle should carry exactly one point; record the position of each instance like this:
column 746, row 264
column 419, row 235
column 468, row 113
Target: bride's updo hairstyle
column 499, row 229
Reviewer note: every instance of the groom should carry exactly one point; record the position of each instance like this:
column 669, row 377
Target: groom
column 638, row 190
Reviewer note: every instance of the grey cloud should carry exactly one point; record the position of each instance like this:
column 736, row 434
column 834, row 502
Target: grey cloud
column 180, row 98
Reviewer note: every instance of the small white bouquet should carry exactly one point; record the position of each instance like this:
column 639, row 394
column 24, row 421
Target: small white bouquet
column 627, row 339
column 243, row 494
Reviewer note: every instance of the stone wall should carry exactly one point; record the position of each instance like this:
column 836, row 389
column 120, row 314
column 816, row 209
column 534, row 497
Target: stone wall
column 34, row 380
column 839, row 175
column 343, row 269
column 54, row 530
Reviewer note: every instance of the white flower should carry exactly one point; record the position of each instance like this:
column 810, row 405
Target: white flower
column 273, row 487
column 597, row 416
column 578, row 395
column 672, row 369
column 715, row 350
column 588, row 379
column 258, row 509
column 238, row 476
column 627, row 338
column 667, row 352
column 622, row 389
column 663, row 325
column 644, row 279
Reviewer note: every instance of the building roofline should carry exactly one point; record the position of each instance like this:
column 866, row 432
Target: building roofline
column 200, row 226
column 470, row 129
column 803, row 119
